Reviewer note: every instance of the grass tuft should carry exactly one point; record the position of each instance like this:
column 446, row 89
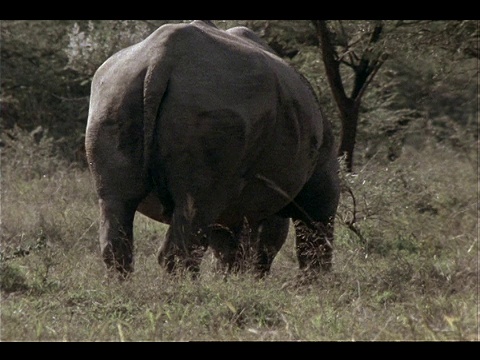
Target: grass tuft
column 406, row 263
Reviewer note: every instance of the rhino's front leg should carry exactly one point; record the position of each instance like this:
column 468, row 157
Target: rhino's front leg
column 270, row 235
column 116, row 234
column 183, row 247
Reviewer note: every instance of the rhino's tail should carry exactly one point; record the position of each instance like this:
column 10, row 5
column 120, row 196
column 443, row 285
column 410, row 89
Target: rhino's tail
column 154, row 90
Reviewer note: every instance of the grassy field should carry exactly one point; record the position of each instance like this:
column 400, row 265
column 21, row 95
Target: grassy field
column 405, row 270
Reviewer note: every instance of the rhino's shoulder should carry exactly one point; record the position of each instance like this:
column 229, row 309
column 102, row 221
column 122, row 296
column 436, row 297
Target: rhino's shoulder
column 246, row 34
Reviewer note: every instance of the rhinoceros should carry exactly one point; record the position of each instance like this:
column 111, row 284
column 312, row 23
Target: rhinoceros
column 204, row 130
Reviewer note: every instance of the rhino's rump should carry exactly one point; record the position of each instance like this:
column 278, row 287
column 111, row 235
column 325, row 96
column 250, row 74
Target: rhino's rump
column 230, row 132
column 224, row 122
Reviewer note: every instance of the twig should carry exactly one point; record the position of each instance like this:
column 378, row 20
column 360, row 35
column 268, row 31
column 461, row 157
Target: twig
column 351, row 223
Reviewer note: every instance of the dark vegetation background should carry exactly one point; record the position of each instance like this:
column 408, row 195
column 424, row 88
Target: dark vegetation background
column 427, row 87
column 406, row 240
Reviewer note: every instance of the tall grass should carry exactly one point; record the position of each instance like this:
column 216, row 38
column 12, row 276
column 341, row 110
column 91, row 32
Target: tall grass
column 406, row 262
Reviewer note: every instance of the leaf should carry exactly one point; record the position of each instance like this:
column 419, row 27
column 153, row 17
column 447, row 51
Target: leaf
column 231, row 307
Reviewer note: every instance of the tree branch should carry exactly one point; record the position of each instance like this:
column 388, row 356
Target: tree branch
column 367, row 68
column 332, row 66
column 373, row 72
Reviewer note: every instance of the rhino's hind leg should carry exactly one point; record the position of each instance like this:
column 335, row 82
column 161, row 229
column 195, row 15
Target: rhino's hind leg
column 270, row 235
column 116, row 234
column 249, row 246
column 224, row 245
column 313, row 215
column 314, row 246
column 236, row 254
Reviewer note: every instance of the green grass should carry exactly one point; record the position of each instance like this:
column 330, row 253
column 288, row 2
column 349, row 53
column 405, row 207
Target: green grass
column 409, row 271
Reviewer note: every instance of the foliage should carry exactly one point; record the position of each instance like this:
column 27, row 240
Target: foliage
column 47, row 67
column 31, row 155
column 91, row 42
column 432, row 70
column 36, row 88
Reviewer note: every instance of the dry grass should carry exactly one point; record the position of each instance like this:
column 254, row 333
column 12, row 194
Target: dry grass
column 409, row 271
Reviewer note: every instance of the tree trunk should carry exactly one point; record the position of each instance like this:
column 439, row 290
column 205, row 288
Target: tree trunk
column 349, row 120
column 348, row 108
column 364, row 68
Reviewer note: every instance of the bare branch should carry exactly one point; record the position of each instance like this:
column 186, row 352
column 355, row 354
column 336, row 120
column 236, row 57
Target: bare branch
column 378, row 64
column 351, row 223
column 350, row 63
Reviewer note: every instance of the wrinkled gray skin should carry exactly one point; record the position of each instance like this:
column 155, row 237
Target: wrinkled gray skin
column 201, row 129
column 256, row 245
